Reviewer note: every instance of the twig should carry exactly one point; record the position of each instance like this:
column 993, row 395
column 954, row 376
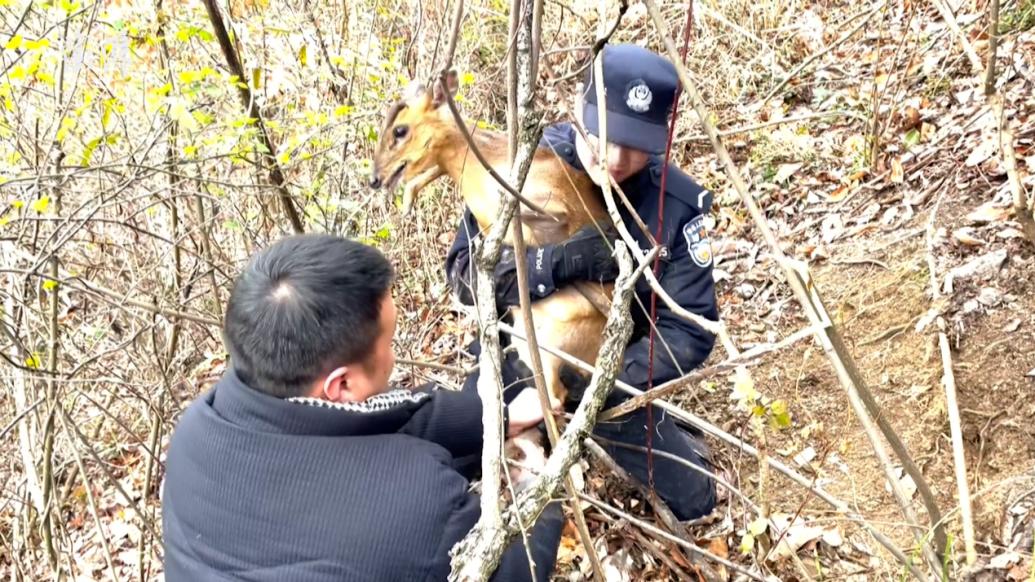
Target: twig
column 519, row 106
column 993, row 45
column 865, row 19
column 661, row 509
column 1021, row 208
column 477, row 555
column 951, row 405
column 481, row 158
column 757, row 126
column 730, row 439
column 950, row 20
column 664, row 534
column 797, row 274
column 661, row 555
column 233, row 61
column 675, row 385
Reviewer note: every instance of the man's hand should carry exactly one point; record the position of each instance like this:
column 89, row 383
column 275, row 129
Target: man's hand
column 525, row 411
column 586, row 256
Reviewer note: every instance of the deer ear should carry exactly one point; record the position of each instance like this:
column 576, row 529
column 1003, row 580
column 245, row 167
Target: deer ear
column 452, row 82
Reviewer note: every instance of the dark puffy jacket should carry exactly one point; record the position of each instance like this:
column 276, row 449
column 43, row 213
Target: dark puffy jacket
column 260, row 488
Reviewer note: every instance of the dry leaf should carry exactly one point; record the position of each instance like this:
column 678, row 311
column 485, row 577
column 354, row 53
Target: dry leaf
column 965, row 236
column 897, row 172
column 1008, row 233
column 1012, row 326
column 832, row 227
column 989, row 212
column 785, row 171
column 986, row 149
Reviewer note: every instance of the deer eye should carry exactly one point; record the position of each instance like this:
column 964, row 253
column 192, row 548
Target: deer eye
column 400, row 131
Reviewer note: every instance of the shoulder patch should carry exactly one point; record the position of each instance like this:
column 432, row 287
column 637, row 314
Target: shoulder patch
column 680, row 185
column 697, row 243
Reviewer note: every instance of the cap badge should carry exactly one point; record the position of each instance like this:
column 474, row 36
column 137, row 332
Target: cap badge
column 639, row 98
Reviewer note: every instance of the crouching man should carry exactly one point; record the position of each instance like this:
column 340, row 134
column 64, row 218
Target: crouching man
column 301, row 463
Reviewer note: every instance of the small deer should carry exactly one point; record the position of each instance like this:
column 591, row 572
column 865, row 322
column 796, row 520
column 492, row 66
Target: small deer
column 421, row 142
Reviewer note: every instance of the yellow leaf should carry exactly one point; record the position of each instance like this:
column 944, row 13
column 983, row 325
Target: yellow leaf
column 4, row 220
column 17, row 204
column 744, row 387
column 302, row 56
column 41, row 204
column 35, row 45
column 33, row 361
column 69, row 6
column 467, row 78
column 50, row 285
column 164, row 89
column 14, row 43
column 66, row 125
column 747, row 543
column 283, row 158
column 342, row 110
column 5, row 3
column 758, row 526
column 256, row 78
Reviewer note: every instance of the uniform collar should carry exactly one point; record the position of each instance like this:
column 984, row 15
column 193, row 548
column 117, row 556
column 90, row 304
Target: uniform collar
column 239, row 404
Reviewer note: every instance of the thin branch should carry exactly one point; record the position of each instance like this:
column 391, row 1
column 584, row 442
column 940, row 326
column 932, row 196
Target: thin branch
column 478, row 554
column 664, row 534
column 950, row 20
column 481, row 158
column 732, row 440
column 951, row 405
column 233, row 61
column 866, row 16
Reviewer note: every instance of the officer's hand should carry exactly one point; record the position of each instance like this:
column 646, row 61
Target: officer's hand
column 586, row 256
column 524, row 412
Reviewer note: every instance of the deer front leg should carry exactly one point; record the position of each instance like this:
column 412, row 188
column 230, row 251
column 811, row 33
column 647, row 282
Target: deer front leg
column 417, row 184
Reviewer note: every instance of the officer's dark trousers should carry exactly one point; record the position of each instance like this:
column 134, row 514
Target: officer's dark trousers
column 689, row 493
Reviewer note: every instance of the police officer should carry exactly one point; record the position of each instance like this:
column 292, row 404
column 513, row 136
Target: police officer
column 640, row 90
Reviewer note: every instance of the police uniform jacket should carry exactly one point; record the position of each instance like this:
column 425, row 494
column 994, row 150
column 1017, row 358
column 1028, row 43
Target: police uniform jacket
column 685, row 271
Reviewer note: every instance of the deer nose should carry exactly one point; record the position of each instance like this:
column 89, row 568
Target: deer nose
column 375, row 181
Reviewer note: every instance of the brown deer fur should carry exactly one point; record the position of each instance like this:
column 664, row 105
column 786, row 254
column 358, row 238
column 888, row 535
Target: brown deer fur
column 431, row 145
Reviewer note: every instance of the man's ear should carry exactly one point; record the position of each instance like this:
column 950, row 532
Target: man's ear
column 452, row 82
column 335, row 385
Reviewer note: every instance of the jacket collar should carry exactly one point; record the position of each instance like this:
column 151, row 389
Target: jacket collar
column 244, row 406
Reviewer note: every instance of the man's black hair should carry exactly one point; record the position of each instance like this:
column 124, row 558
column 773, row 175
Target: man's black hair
column 302, row 306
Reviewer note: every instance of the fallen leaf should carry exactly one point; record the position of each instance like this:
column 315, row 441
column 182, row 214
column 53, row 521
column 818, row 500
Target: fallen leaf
column 897, row 172
column 986, row 149
column 980, row 267
column 1008, row 233
column 1005, row 560
column 868, row 213
column 965, row 236
column 831, row 227
column 989, row 212
column 805, row 457
column 1012, row 326
column 785, row 171
column 1031, row 373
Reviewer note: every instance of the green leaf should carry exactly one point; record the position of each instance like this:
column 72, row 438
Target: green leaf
column 89, row 149
column 912, row 138
column 781, row 416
